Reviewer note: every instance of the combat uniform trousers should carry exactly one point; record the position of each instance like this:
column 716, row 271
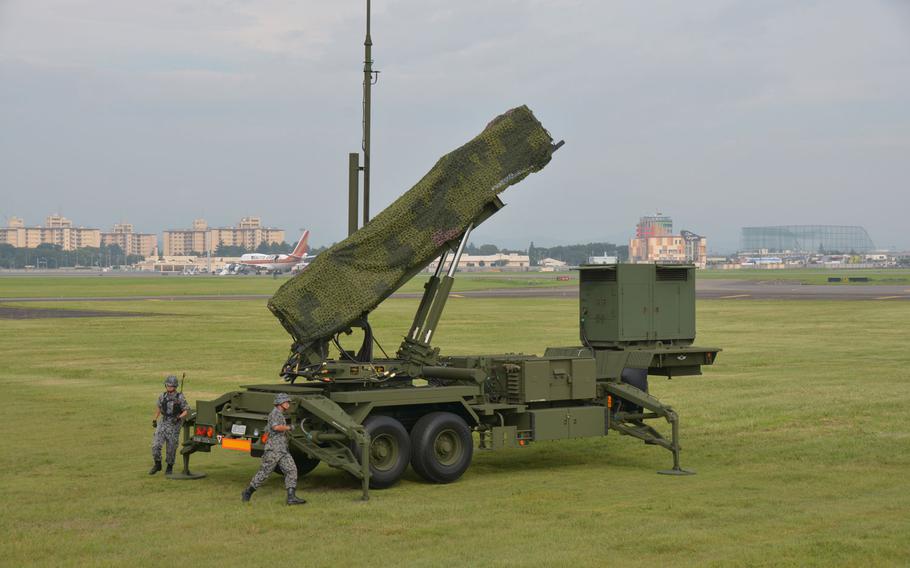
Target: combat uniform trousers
column 271, row 459
column 167, row 433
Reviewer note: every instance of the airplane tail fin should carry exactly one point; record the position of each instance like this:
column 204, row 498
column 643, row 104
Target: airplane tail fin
column 303, row 246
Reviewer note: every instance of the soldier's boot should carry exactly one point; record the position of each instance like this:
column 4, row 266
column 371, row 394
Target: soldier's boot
column 169, row 470
column 293, row 499
column 247, row 493
column 155, row 468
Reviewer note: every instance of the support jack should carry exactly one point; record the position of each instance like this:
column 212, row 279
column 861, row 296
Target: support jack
column 186, row 474
column 632, row 423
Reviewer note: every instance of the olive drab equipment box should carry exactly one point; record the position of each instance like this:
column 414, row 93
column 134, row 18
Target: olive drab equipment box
column 621, row 304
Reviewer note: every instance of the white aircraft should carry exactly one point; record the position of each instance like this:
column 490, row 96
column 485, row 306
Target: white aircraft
column 277, row 263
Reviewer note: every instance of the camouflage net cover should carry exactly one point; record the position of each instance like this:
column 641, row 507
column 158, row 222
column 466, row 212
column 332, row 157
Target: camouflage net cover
column 354, row 276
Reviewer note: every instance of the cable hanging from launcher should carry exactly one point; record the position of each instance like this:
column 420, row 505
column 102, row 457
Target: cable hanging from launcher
column 377, row 376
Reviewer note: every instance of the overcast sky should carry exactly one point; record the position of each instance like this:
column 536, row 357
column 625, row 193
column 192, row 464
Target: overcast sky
column 721, row 114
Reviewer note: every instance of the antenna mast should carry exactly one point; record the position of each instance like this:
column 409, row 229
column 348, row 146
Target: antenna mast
column 370, row 78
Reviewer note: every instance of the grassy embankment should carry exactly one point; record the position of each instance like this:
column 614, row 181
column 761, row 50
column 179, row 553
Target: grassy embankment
column 799, row 435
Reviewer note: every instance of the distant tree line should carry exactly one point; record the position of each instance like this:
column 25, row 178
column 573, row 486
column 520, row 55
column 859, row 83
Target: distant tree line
column 48, row 255
column 575, row 255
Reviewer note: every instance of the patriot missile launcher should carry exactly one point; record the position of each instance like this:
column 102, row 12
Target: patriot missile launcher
column 375, row 416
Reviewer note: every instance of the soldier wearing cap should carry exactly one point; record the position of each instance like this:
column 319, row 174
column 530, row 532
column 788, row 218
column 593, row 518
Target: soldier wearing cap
column 277, row 453
column 170, row 411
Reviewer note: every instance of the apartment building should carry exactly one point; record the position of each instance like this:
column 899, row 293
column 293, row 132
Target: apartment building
column 201, row 238
column 57, row 230
column 123, row 235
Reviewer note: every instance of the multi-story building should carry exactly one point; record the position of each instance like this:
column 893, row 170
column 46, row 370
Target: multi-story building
column 654, row 241
column 201, row 239
column 122, row 235
column 57, row 230
column 183, row 242
column 656, row 225
column 248, row 234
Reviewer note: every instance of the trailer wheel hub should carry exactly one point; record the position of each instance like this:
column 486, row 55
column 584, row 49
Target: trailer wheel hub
column 383, row 452
column 448, row 447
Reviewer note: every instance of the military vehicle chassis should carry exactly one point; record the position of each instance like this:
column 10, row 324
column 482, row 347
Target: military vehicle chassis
column 430, row 413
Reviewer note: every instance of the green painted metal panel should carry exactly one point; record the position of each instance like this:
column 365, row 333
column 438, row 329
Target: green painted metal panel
column 586, row 421
column 504, row 437
column 554, row 378
column 636, row 302
column 583, row 379
column 535, row 380
column 549, row 424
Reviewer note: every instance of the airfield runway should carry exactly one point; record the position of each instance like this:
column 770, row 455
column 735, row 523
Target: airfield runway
column 705, row 289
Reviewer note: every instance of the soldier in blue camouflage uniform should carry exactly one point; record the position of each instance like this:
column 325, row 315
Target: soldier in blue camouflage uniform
column 277, row 454
column 172, row 408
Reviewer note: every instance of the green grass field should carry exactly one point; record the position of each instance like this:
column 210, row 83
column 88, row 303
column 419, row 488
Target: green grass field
column 111, row 286
column 799, row 435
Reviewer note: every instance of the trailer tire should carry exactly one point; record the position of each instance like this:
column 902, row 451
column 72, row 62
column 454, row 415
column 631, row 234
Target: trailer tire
column 390, row 450
column 305, row 464
column 637, row 378
column 442, row 447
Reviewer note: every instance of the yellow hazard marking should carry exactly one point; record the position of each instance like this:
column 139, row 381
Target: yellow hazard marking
column 736, row 296
column 889, row 297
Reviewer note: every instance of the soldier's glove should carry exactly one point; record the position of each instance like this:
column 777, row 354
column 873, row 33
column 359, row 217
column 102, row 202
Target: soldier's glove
column 154, row 423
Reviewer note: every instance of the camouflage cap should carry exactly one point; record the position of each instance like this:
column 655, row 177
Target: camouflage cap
column 171, row 381
column 281, row 398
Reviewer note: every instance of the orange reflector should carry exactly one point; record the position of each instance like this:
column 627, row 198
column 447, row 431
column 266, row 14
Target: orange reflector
column 236, row 444
column 521, row 442
column 609, row 401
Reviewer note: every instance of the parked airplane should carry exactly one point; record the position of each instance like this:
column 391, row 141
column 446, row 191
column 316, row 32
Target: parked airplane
column 276, row 263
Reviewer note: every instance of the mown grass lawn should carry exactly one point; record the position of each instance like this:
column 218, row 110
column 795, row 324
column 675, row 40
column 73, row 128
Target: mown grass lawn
column 799, row 435
column 114, row 285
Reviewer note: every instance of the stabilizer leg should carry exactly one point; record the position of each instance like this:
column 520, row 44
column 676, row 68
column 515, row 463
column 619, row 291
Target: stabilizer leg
column 188, row 448
column 633, row 424
column 186, row 473
column 673, row 419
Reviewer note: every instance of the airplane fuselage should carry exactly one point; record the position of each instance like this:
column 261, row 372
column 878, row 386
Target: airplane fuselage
column 270, row 262
column 278, row 262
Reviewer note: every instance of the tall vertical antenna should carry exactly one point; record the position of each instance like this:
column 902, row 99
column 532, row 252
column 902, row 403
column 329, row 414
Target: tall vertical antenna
column 369, row 79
